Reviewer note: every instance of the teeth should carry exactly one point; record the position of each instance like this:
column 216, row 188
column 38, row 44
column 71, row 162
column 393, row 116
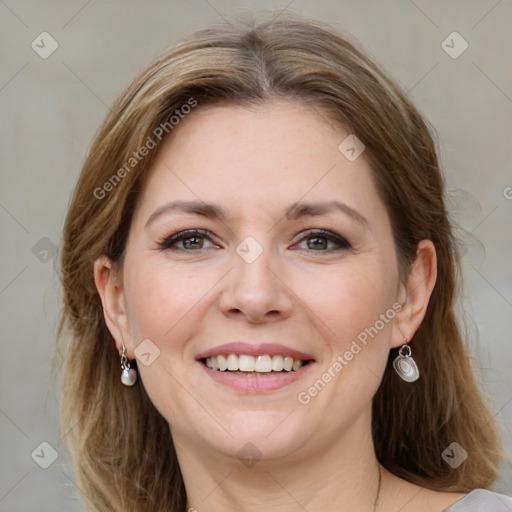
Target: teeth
column 263, row 364
column 297, row 363
column 223, row 363
column 260, row 364
column 247, row 363
column 277, row 363
column 232, row 362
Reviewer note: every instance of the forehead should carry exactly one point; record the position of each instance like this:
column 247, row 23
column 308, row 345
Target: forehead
column 266, row 156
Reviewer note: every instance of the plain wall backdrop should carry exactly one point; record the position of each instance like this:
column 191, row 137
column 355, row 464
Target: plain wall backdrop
column 51, row 106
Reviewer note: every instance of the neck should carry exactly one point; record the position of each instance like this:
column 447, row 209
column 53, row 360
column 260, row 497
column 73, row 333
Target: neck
column 343, row 472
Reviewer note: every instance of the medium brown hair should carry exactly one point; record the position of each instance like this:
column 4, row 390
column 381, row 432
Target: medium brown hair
column 121, row 447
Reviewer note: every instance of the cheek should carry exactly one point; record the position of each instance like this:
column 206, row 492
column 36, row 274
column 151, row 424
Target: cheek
column 158, row 298
column 352, row 298
column 356, row 306
column 160, row 307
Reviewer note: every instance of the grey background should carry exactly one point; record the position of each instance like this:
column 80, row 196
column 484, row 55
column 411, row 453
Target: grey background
column 50, row 109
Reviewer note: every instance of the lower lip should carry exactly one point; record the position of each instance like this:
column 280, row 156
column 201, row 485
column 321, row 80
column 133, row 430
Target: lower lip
column 256, row 383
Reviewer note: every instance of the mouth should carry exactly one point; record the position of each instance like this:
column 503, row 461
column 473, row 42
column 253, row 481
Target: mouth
column 249, row 365
column 255, row 368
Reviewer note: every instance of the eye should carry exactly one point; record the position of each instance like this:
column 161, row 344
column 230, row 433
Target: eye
column 191, row 239
column 195, row 239
column 319, row 241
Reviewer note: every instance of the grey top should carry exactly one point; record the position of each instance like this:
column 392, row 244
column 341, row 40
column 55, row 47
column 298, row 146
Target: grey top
column 480, row 500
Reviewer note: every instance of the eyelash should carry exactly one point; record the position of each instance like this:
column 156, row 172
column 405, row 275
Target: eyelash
column 168, row 243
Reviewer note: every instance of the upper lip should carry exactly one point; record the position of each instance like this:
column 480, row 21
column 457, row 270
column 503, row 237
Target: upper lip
column 252, row 349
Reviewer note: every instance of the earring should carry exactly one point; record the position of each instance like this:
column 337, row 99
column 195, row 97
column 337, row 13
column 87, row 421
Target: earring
column 128, row 374
column 405, row 365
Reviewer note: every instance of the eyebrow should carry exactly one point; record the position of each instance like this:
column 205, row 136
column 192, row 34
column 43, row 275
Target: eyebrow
column 293, row 212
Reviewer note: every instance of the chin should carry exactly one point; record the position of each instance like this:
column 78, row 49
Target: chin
column 261, row 436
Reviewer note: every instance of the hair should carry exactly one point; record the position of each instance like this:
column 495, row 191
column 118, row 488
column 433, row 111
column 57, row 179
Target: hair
column 122, row 450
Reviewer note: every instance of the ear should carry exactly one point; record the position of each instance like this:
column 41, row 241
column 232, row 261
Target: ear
column 110, row 288
column 415, row 294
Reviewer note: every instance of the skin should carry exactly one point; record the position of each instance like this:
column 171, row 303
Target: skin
column 300, row 292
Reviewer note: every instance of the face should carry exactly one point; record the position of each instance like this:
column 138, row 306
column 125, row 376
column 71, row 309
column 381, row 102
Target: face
column 287, row 251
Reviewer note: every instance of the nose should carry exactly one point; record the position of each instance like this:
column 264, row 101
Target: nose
column 256, row 290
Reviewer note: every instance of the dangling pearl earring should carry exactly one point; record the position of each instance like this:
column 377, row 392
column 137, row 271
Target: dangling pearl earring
column 128, row 374
column 405, row 365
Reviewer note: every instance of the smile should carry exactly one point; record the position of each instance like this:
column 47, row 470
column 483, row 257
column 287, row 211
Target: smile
column 255, row 367
column 244, row 364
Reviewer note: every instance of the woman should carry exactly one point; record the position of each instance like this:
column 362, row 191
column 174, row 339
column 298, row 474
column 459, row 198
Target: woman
column 259, row 281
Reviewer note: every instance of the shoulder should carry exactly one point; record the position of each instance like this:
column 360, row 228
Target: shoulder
column 481, row 500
